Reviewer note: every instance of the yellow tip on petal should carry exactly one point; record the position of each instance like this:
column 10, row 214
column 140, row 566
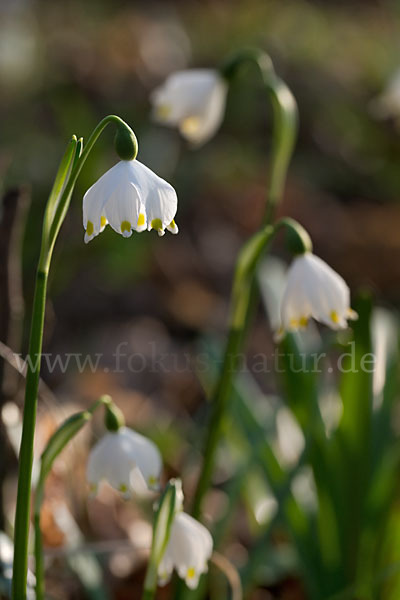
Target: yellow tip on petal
column 123, row 488
column 152, row 481
column 156, row 224
column 103, row 221
column 335, row 317
column 191, row 572
column 303, row 321
column 141, row 220
column 89, row 228
column 125, row 226
column 294, row 323
column 190, row 125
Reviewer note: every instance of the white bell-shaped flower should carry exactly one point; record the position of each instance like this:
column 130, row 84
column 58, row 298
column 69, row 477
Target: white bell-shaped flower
column 194, row 101
column 188, row 551
column 315, row 290
column 128, row 461
column 129, row 197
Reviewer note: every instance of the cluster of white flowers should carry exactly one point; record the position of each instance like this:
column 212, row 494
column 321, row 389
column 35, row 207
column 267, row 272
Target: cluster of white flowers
column 130, row 197
column 131, row 463
column 194, row 101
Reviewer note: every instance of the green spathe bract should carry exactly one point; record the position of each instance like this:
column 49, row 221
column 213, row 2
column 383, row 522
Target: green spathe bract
column 169, row 503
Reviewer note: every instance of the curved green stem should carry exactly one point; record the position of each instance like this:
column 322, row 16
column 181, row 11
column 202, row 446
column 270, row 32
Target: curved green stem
column 284, row 120
column 56, row 210
column 284, row 133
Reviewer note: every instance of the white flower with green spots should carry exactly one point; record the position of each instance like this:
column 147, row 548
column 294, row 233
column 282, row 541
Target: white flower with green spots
column 315, row 290
column 128, row 461
column 193, row 101
column 129, row 197
column 188, row 551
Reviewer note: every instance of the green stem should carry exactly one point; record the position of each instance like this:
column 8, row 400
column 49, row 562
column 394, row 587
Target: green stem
column 150, row 585
column 284, row 133
column 219, row 403
column 39, row 563
column 246, row 268
column 52, row 222
column 22, row 516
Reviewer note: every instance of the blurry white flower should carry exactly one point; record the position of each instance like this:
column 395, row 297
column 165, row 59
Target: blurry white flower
column 387, row 104
column 192, row 100
column 289, row 438
column 188, row 551
column 265, row 509
column 304, row 490
column 315, row 290
column 384, row 331
column 129, row 197
column 128, row 461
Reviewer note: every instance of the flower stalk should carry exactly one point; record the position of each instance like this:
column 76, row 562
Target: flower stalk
column 284, row 122
column 284, row 134
column 56, row 210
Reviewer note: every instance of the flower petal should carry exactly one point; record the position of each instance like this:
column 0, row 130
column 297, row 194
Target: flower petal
column 123, row 209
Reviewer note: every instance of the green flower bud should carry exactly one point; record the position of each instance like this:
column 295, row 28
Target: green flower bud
column 125, row 142
column 114, row 419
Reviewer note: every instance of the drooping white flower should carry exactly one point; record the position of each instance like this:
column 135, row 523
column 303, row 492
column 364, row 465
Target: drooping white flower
column 129, row 197
column 192, row 100
column 128, row 461
column 188, row 551
column 315, row 290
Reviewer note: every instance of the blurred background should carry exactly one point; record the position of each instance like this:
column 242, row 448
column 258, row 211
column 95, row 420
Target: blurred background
column 65, row 65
